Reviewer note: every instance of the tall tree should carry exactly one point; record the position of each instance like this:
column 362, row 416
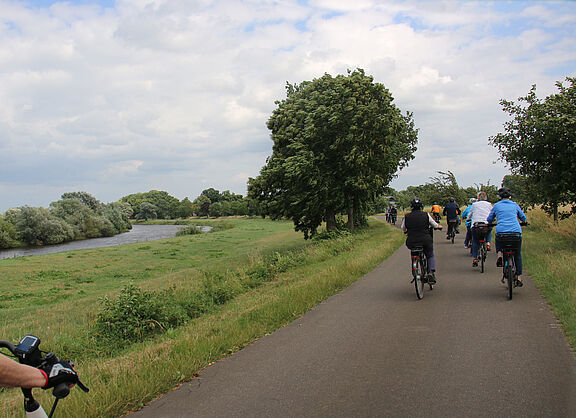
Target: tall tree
column 338, row 141
column 540, row 144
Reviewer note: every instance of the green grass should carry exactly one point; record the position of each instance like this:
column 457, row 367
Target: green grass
column 56, row 297
column 549, row 257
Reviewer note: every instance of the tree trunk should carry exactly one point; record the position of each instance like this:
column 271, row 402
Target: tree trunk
column 555, row 207
column 350, row 217
column 330, row 219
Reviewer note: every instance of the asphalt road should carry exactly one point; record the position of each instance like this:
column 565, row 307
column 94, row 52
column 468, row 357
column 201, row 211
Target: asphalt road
column 465, row 350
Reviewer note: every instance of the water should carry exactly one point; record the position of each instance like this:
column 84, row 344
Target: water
column 138, row 233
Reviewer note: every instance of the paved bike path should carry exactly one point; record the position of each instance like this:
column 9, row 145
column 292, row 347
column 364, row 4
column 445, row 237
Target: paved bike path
column 465, row 350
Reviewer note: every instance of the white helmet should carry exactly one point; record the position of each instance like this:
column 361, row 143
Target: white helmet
column 473, row 200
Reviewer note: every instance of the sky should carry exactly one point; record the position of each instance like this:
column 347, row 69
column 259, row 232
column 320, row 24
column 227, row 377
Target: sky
column 116, row 97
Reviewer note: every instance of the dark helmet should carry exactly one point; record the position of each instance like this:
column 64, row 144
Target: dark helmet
column 451, row 199
column 416, row 204
column 504, row 193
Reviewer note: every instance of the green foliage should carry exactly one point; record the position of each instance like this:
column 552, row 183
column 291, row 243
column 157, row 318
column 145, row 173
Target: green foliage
column 37, row 226
column 189, row 230
column 134, row 315
column 147, row 211
column 8, row 236
column 216, row 210
column 202, row 205
column 337, row 142
column 539, row 143
column 167, row 206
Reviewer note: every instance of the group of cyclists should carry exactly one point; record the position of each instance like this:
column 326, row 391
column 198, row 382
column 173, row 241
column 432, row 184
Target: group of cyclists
column 478, row 217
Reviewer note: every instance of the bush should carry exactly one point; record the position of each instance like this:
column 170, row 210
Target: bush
column 8, row 237
column 189, row 230
column 133, row 316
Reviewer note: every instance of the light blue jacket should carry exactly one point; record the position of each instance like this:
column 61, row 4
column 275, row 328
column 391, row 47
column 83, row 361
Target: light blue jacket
column 507, row 213
column 465, row 215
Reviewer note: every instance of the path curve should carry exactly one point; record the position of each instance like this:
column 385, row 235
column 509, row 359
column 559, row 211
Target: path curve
column 375, row 350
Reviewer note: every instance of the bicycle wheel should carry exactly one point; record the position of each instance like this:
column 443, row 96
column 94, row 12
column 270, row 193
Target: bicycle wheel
column 509, row 272
column 419, row 273
column 482, row 256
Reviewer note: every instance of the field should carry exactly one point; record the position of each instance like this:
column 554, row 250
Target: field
column 267, row 272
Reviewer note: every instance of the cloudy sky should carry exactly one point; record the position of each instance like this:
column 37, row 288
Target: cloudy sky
column 116, row 97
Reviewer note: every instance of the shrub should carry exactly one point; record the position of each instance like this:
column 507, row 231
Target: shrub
column 188, row 230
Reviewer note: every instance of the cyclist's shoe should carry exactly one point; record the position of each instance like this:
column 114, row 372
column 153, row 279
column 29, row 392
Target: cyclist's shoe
column 431, row 278
column 488, row 246
column 518, row 283
column 457, row 231
column 475, row 262
column 447, row 236
column 499, row 262
column 425, row 279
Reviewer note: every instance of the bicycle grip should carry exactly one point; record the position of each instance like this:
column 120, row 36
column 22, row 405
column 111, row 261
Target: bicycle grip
column 61, row 390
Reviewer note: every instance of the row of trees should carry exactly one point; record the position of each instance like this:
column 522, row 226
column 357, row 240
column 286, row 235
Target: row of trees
column 211, row 202
column 77, row 215
column 439, row 189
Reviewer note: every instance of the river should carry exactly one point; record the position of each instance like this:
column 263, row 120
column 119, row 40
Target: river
column 138, row 233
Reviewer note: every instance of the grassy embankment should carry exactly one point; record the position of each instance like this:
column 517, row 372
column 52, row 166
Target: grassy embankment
column 549, row 257
column 56, row 298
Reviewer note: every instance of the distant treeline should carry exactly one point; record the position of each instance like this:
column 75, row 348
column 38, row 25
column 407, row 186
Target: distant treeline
column 79, row 215
column 157, row 204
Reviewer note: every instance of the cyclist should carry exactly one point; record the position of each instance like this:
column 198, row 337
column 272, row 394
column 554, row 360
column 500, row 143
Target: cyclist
column 393, row 214
column 468, row 224
column 435, row 211
column 507, row 214
column 418, row 226
column 451, row 211
column 13, row 374
column 478, row 214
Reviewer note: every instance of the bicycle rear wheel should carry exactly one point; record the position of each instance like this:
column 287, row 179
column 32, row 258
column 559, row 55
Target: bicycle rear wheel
column 419, row 273
column 509, row 272
column 482, row 256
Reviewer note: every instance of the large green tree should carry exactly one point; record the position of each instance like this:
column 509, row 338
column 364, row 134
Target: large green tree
column 338, row 141
column 539, row 142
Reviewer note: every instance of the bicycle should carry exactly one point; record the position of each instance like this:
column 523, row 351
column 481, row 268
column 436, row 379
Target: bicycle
column 419, row 270
column 452, row 225
column 393, row 217
column 509, row 245
column 482, row 229
column 27, row 352
column 436, row 217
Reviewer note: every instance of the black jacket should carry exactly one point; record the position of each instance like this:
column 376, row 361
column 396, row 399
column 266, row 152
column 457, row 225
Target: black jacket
column 417, row 225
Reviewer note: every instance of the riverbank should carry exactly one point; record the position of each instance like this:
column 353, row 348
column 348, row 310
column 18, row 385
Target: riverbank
column 138, row 233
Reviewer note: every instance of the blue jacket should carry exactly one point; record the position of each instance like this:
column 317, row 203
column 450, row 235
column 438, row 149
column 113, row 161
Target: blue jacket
column 465, row 215
column 507, row 214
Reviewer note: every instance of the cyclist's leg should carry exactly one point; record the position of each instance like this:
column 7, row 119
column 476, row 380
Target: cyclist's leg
column 518, row 260
column 468, row 236
column 429, row 252
column 475, row 244
column 499, row 252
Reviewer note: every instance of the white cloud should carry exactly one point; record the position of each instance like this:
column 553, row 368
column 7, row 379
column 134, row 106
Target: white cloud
column 175, row 95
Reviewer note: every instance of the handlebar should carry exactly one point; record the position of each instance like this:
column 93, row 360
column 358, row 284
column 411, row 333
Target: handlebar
column 27, row 352
column 492, row 224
